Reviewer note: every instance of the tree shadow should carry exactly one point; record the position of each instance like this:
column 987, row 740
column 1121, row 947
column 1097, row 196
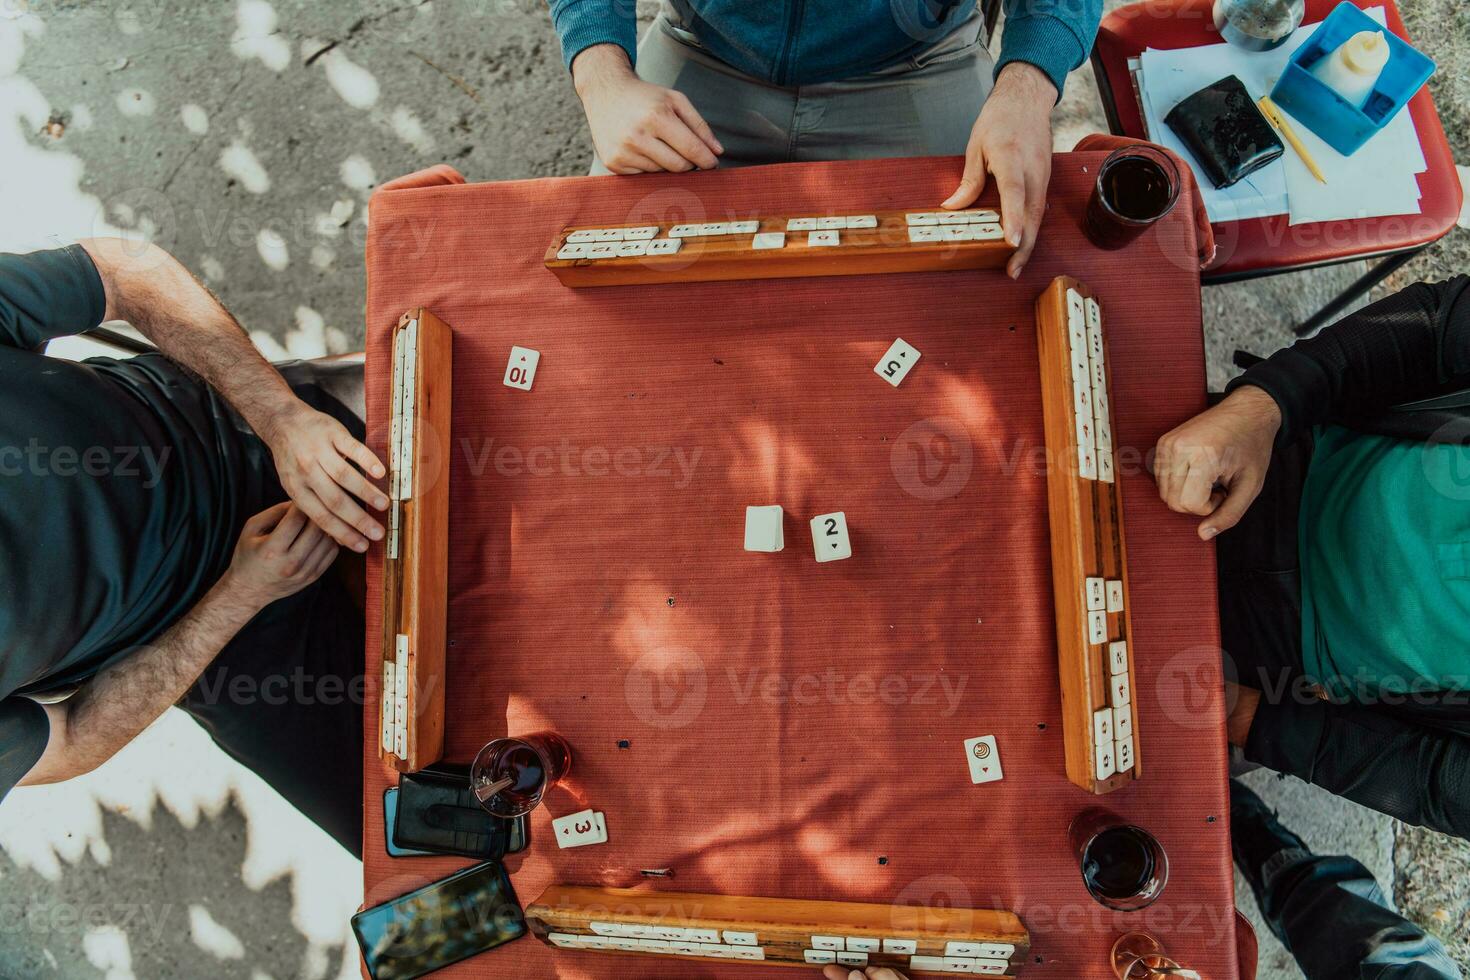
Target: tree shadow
column 168, row 902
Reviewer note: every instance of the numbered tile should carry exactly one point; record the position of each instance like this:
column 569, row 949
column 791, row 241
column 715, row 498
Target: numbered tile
column 769, row 239
column 990, row 967
column 953, row 218
column 630, row 249
column 763, row 529
column 1123, row 721
column 820, row 239
column 862, row 221
column 898, row 362
column 1096, row 597
column 986, row 233
column 901, row 947
column 926, row 234
column 664, row 246
column 520, row 370
column 740, row 938
column 962, row 949
column 1081, row 399
column 640, row 234
column 829, row 537
column 1115, row 596
column 819, row 956
column 1119, row 690
column 984, row 759
column 982, row 216
column 852, row 959
column 1095, row 373
column 583, row 235
column 1086, row 463
column 957, row 964
column 1102, row 727
column 579, row 829
column 1125, row 754
column 955, row 233
column 684, row 231
column 1105, row 467
column 572, row 251
column 831, row 224
column 921, row 219
column 1104, row 436
column 801, row 224
column 1097, row 627
column 1118, row 657
column 608, row 235
column 1103, row 765
column 998, row 951
column 858, row 944
column 715, row 228
column 1100, row 408
column 602, row 250
column 1094, row 314
column 744, row 227
column 747, row 953
column 1076, row 312
column 828, row 942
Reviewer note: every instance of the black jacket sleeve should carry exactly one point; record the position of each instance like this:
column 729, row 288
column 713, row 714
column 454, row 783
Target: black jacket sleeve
column 44, row 295
column 1417, row 774
column 1406, row 347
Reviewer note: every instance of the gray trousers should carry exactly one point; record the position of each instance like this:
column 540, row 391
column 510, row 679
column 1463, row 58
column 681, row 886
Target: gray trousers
column 925, row 106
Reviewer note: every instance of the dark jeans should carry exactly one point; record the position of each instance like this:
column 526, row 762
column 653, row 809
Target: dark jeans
column 1328, row 911
column 284, row 698
column 1408, row 758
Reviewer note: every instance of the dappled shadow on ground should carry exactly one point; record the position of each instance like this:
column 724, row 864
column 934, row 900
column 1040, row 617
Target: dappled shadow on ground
column 165, row 901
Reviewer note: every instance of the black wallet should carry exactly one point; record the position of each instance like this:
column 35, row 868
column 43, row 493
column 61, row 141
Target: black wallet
column 438, row 812
column 1225, row 131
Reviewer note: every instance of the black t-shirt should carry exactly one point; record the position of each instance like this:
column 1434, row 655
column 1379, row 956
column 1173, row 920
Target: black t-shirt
column 123, row 487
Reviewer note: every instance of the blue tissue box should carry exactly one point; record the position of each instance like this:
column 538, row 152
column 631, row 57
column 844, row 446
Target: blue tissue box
column 1346, row 127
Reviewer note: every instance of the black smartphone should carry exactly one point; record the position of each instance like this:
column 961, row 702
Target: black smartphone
column 469, row 912
column 390, row 817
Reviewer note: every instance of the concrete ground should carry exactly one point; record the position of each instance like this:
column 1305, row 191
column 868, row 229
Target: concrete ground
column 245, row 136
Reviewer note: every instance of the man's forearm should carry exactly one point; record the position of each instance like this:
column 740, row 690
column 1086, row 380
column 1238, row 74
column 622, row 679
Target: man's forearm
column 155, row 293
column 1413, row 344
column 125, row 698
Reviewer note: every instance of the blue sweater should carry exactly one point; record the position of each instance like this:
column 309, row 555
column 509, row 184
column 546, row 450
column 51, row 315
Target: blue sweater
column 802, row 42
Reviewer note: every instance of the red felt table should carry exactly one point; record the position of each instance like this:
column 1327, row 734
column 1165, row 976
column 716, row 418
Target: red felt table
column 795, row 729
column 1261, row 246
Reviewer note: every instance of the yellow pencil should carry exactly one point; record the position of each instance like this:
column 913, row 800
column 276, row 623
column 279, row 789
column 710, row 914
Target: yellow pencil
column 1273, row 114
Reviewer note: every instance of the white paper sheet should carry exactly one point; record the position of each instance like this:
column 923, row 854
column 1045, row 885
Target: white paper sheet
column 1376, row 180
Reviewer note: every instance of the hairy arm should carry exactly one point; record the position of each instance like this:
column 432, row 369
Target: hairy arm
column 314, row 453
column 280, row 552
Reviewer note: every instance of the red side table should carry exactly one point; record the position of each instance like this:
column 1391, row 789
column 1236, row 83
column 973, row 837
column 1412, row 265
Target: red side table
column 1268, row 246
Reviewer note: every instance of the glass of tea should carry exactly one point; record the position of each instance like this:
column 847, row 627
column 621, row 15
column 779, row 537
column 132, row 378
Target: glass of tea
column 1136, row 186
column 1124, row 867
column 510, row 776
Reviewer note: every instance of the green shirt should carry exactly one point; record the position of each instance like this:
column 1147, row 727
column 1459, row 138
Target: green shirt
column 1385, row 558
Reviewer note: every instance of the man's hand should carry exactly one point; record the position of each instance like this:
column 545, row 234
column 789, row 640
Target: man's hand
column 1012, row 139
column 1215, row 464
column 150, row 289
column 867, row 973
column 314, row 456
column 639, row 127
column 280, row 553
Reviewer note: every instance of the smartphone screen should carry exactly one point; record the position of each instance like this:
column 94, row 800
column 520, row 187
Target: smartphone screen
column 442, row 923
column 390, row 817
